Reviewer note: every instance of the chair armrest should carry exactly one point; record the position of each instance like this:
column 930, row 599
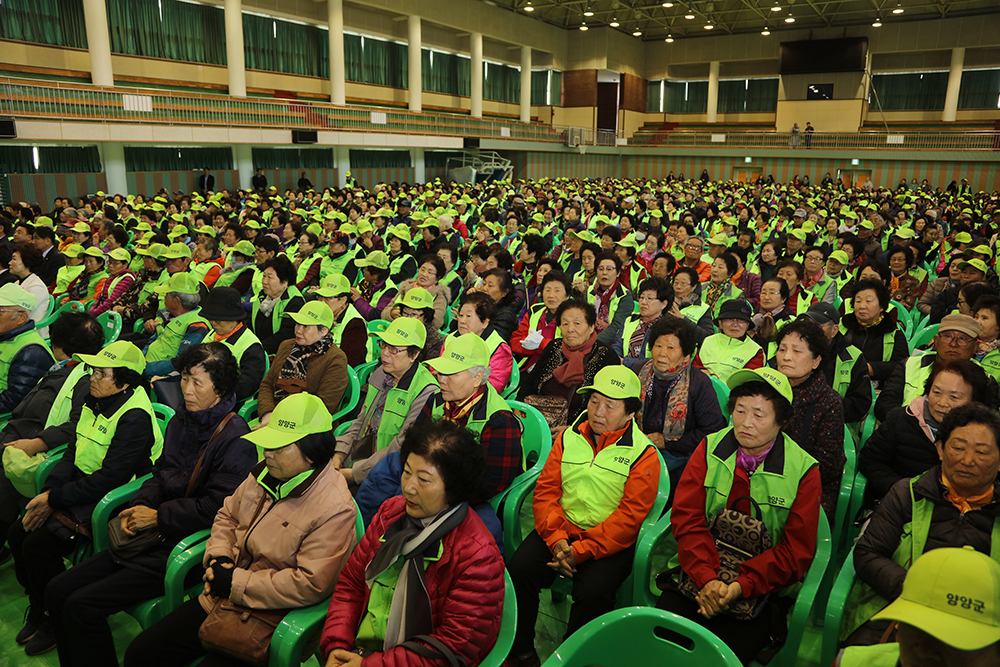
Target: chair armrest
column 182, row 561
column 45, row 467
column 835, row 610
column 114, row 499
column 642, row 575
column 517, row 494
column 297, row 629
column 806, row 595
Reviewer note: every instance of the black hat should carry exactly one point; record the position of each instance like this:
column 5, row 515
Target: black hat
column 823, row 313
column 736, row 309
column 404, row 202
column 223, row 305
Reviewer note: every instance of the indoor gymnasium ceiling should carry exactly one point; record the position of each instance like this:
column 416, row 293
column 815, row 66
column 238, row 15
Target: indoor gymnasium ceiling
column 656, row 21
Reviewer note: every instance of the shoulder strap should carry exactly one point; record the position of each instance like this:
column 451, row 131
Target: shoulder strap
column 442, row 652
column 197, row 466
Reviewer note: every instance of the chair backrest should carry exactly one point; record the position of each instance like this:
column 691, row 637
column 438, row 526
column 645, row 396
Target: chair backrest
column 536, row 438
column 923, row 336
column 840, row 516
column 349, row 401
column 249, row 410
column 364, row 371
column 163, row 414
column 722, row 392
column 111, row 323
column 903, row 316
column 513, row 384
column 834, row 616
column 642, row 636
column 508, row 624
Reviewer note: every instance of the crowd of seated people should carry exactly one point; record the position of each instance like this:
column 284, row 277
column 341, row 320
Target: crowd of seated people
column 686, row 345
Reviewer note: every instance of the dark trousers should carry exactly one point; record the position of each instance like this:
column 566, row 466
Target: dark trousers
column 595, row 586
column 38, row 558
column 745, row 638
column 80, row 601
column 173, row 642
column 11, row 504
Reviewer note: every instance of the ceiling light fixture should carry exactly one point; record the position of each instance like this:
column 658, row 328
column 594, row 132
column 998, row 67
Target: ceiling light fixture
column 529, row 8
column 898, row 9
column 709, row 26
column 614, row 22
column 789, row 18
column 669, row 39
column 689, row 16
column 583, row 27
column 765, row 31
column 588, row 11
column 668, row 5
column 637, row 33
column 775, row 7
column 877, row 23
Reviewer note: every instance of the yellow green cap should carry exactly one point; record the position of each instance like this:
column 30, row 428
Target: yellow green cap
column 120, row 354
column 295, row 417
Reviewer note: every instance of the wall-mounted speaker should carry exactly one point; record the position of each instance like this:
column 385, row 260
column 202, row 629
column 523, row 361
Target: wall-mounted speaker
column 7, row 128
column 304, row 136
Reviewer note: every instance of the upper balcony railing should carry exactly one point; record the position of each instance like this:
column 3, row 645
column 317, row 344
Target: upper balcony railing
column 867, row 141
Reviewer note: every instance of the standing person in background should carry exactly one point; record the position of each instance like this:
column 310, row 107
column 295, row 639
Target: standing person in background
column 793, row 140
column 259, row 181
column 809, row 134
column 206, row 182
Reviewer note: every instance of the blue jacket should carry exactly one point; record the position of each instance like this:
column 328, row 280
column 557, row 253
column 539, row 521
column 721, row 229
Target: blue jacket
column 26, row 369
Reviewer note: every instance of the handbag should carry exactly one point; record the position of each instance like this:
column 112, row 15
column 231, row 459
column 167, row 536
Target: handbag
column 240, row 632
column 555, row 409
column 124, row 545
column 738, row 538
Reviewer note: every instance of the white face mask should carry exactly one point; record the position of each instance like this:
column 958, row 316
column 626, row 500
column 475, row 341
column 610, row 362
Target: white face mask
column 640, row 237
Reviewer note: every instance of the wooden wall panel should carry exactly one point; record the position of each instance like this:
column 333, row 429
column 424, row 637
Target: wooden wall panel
column 633, row 93
column 579, row 88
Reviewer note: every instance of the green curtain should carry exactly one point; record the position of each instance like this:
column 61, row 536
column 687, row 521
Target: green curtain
column 281, row 46
column 980, row 89
column 685, row 97
column 762, row 95
column 445, row 73
column 555, row 98
column 51, row 160
column 352, row 58
column 539, row 87
column 177, row 159
column 57, row 22
column 653, row 96
column 168, row 29
column 293, row 158
column 918, row 91
column 502, row 83
column 732, row 96
column 383, row 63
column 369, row 159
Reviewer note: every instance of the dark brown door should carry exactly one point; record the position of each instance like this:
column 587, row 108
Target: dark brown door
column 607, row 106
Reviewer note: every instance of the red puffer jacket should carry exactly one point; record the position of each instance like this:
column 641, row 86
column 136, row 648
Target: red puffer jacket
column 466, row 589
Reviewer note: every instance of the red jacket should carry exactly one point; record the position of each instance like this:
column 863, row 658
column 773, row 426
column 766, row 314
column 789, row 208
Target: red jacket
column 466, row 589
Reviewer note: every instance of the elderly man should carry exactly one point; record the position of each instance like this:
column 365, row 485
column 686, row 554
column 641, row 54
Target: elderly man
column 693, row 250
column 957, row 338
column 598, row 484
column 225, row 315
column 954, row 504
column 180, row 329
column 24, row 356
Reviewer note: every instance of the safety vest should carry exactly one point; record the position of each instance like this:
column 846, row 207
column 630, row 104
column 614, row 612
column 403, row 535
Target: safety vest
column 803, row 301
column 917, row 370
column 303, row 269
column 449, row 279
column 396, row 265
column 695, row 312
column 397, row 403
column 63, row 405
column 722, row 355
column 201, row 269
column 257, row 282
column 631, row 324
column 169, row 337
column 821, row 287
column 843, row 369
column 147, row 288
column 732, row 292
column 64, row 276
column 279, row 308
column 10, row 348
column 991, row 364
column 863, row 602
column 593, row 484
column 535, row 319
column 879, row 655
column 227, row 278
column 773, row 488
column 615, row 301
column 377, row 296
column 479, row 417
column 244, row 340
column 349, row 315
column 95, row 432
column 332, row 265
column 92, row 283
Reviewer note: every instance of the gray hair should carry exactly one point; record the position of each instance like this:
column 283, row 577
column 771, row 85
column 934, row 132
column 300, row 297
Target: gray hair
column 485, row 370
column 188, row 301
column 445, row 222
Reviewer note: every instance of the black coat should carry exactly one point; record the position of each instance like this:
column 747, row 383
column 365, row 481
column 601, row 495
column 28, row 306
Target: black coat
column 858, row 397
column 898, row 449
column 51, row 264
column 28, row 418
column 872, row 340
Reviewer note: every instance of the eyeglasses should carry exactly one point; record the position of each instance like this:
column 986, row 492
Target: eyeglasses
column 98, row 374
column 771, row 292
column 391, row 349
column 956, row 338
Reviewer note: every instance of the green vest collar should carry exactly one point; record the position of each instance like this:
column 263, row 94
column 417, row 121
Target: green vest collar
column 773, row 463
column 292, row 488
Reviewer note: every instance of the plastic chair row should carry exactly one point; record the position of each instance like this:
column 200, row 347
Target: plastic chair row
column 348, row 401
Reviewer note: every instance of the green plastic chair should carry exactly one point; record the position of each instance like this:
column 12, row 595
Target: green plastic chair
column 841, row 518
column 851, row 531
column 111, row 323
column 536, row 443
column 920, row 323
column 54, row 314
column 375, row 326
column 835, row 604
column 352, row 394
column 923, row 337
column 364, row 371
column 904, row 317
column 45, row 467
column 721, row 391
column 643, row 593
column 513, row 384
column 182, row 560
column 164, row 414
column 634, row 636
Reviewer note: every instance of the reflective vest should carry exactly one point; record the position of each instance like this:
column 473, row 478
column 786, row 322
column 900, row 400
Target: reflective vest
column 535, row 319
column 349, row 315
column 244, row 340
column 863, row 602
column 95, row 432
column 303, row 269
column 479, row 417
column 991, row 364
column 594, row 484
column 63, row 405
column 397, row 404
column 731, row 292
column 396, row 265
column 695, row 312
column 10, row 348
column 615, row 301
column 201, row 269
column 147, row 288
column 257, row 282
column 332, row 265
column 449, row 280
column 879, row 655
column 64, row 276
column 279, row 308
column 917, row 370
column 821, row 287
column 722, row 355
column 169, row 337
column 846, row 359
column 631, row 324
column 377, row 296
column 227, row 278
column 772, row 487
column 94, row 279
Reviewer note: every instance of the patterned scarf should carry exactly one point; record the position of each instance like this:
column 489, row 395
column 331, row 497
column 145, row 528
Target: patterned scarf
column 376, row 417
column 985, row 347
column 666, row 401
column 602, row 302
column 713, row 292
column 875, row 322
column 458, row 411
column 367, row 290
column 292, row 377
column 635, row 350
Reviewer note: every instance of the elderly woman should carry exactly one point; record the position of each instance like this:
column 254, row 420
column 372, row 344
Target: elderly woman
column 118, row 283
column 538, row 327
column 402, row 265
column 225, row 314
column 376, row 290
column 309, row 363
column 571, row 360
column 612, row 300
column 73, row 256
column 418, row 303
column 204, row 459
column 86, row 286
column 793, row 273
column 397, row 390
column 500, row 286
column 772, row 314
column 584, row 279
column 581, row 534
column 452, row 569
column 720, row 287
column 687, row 301
column 817, row 410
column 308, row 260
column 726, row 352
column 656, row 297
column 349, row 331
column 278, row 295
column 905, row 287
column 874, row 331
column 25, row 263
column 903, row 445
column 475, row 315
column 719, row 474
column 953, row 504
column 679, row 405
column 278, row 542
column 116, row 439
column 431, row 270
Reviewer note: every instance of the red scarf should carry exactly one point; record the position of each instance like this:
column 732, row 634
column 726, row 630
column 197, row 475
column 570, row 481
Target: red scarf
column 571, row 372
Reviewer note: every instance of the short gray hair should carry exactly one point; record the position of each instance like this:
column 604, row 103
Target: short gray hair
column 485, row 370
column 188, row 301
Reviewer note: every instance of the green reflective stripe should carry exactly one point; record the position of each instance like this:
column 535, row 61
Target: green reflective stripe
column 397, row 405
column 284, row 488
column 64, row 276
column 168, row 338
column 10, row 348
column 244, row 342
column 201, row 269
column 349, row 315
column 94, row 433
column 722, row 355
column 279, row 308
column 300, row 273
column 63, row 405
column 593, row 485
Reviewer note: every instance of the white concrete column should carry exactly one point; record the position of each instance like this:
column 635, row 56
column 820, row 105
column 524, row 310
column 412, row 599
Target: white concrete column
column 243, row 159
column 95, row 15
column 713, row 91
column 335, row 19
column 419, row 169
column 113, row 158
column 954, row 84
column 525, row 84
column 342, row 160
column 413, row 51
column 235, row 59
column 476, row 85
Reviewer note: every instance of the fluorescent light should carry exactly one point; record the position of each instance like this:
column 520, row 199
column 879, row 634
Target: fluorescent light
column 670, row 40
column 583, row 26
column 765, row 32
